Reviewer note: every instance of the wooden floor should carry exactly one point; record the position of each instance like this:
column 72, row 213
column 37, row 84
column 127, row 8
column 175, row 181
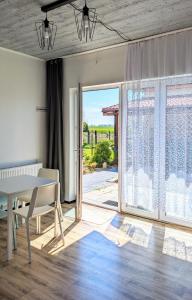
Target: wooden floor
column 106, row 256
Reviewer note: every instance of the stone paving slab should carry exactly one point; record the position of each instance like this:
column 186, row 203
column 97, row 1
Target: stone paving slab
column 99, row 179
column 99, row 196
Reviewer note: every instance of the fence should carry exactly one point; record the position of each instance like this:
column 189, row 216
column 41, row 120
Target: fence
column 94, row 137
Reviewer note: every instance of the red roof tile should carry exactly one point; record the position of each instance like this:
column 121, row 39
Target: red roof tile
column 184, row 101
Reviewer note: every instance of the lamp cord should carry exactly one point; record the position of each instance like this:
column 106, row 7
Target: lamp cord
column 107, row 26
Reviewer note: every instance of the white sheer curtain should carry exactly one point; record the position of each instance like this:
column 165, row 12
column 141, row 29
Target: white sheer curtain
column 156, row 129
column 176, row 187
column 138, row 144
column 160, row 57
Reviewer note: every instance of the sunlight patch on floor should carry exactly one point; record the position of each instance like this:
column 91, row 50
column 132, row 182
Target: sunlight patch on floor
column 115, row 235
column 118, row 230
column 97, row 216
column 47, row 239
column 130, row 230
column 178, row 243
column 74, row 235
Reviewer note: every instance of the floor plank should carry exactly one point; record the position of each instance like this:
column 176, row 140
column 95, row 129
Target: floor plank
column 106, row 256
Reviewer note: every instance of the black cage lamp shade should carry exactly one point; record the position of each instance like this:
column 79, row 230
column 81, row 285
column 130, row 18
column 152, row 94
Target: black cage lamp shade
column 46, row 33
column 85, row 20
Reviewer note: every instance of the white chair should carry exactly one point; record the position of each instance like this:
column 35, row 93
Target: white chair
column 44, row 173
column 26, row 198
column 41, row 203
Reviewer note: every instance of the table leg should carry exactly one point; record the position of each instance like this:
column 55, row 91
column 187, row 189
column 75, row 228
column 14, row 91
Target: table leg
column 9, row 227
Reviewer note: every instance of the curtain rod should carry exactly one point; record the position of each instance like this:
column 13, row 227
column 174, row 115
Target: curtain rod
column 128, row 42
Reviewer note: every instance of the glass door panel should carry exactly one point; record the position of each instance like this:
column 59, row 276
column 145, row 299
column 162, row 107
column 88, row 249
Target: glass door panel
column 177, row 189
column 138, row 148
column 156, row 149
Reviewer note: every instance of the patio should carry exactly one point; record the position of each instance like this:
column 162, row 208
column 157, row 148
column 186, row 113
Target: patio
column 101, row 187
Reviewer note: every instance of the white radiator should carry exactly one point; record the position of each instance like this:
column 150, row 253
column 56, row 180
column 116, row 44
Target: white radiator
column 22, row 170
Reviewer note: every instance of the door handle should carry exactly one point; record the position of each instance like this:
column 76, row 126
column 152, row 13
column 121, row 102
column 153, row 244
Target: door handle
column 76, row 150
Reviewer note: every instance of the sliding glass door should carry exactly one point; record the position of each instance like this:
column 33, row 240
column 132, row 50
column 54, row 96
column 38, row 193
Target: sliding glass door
column 156, row 149
column 139, row 147
column 176, row 150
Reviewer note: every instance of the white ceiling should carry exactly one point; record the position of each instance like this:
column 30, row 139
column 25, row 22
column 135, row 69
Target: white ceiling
column 135, row 18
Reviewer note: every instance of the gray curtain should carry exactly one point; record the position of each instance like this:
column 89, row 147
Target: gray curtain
column 55, row 138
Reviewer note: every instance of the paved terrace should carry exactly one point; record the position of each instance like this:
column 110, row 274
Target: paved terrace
column 100, row 186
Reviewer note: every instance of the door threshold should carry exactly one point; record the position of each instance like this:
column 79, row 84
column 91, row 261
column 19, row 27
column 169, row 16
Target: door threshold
column 102, row 206
column 161, row 222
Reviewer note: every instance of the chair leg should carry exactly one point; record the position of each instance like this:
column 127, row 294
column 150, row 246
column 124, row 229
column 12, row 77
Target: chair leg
column 56, row 221
column 61, row 212
column 16, row 216
column 28, row 240
column 60, row 225
column 23, row 219
column 39, row 224
column 14, row 235
column 56, row 218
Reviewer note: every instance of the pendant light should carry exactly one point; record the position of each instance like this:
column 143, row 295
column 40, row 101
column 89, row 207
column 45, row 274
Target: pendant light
column 46, row 33
column 85, row 20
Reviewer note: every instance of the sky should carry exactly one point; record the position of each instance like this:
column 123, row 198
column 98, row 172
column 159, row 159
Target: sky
column 94, row 101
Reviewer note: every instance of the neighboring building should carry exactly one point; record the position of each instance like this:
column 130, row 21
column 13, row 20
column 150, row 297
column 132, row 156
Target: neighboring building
column 178, row 127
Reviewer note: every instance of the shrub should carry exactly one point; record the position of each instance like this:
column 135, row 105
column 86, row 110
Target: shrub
column 92, row 166
column 86, row 157
column 85, row 127
column 89, row 167
column 86, row 146
column 111, row 144
column 102, row 153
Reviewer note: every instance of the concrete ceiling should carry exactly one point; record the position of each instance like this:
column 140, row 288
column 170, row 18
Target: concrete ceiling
column 135, row 18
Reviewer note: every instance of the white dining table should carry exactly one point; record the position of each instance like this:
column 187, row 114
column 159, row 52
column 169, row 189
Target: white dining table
column 12, row 188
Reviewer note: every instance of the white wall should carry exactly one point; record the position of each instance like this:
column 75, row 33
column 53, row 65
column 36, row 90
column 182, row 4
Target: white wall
column 22, row 88
column 88, row 69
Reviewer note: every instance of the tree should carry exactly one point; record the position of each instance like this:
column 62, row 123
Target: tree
column 85, row 127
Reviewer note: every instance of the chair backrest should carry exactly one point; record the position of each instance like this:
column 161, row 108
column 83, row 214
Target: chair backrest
column 49, row 173
column 43, row 195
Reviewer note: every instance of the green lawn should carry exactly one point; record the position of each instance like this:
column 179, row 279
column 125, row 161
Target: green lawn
column 102, row 129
